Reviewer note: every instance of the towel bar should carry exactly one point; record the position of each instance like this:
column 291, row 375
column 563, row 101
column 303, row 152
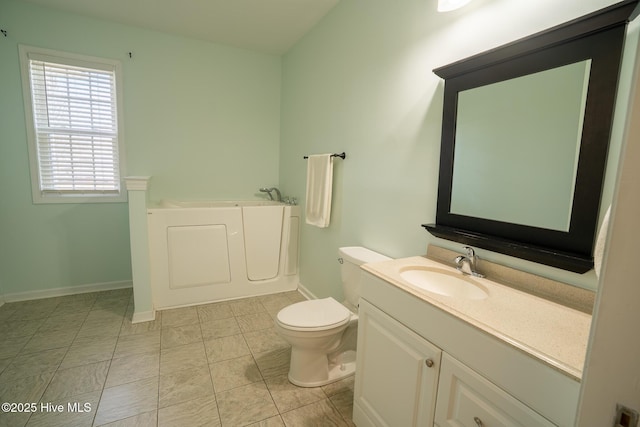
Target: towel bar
column 341, row 155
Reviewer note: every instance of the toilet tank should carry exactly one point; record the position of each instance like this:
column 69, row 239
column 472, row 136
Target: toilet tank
column 351, row 258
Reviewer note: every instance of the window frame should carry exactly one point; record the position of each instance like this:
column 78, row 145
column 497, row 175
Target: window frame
column 39, row 196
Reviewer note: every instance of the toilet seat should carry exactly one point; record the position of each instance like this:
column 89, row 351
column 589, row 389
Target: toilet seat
column 314, row 315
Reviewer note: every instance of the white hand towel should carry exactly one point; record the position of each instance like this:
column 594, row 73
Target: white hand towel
column 319, row 184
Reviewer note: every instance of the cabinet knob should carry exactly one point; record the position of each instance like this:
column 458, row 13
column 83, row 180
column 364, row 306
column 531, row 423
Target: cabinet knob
column 478, row 421
column 429, row 363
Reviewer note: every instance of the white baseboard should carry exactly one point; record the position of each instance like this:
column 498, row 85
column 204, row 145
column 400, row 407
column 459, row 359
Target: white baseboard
column 144, row 316
column 306, row 292
column 70, row 290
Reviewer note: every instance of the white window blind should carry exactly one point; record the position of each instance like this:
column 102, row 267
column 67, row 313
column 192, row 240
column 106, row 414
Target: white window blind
column 76, row 129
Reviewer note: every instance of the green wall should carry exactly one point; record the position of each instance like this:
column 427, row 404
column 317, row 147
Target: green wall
column 202, row 119
column 362, row 82
column 208, row 121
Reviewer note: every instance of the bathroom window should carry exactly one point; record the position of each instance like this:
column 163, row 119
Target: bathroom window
column 72, row 107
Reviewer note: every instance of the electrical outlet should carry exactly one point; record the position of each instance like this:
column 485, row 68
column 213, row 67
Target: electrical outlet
column 625, row 417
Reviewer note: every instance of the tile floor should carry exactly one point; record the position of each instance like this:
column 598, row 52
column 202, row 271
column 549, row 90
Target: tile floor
column 218, row 364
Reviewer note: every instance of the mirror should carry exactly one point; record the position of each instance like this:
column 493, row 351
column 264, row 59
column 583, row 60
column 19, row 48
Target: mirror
column 515, row 128
column 525, row 135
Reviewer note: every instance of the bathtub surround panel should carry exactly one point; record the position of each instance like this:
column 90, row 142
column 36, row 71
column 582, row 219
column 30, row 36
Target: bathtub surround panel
column 262, row 226
column 197, row 255
column 205, row 254
column 293, row 252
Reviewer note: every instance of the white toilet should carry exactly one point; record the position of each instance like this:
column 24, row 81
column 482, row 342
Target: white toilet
column 323, row 332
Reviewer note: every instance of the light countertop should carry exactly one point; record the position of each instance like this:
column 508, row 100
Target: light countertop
column 554, row 334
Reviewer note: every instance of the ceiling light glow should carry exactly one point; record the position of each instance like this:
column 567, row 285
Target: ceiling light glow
column 449, row 5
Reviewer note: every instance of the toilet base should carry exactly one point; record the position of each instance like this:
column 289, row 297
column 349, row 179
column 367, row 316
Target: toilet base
column 341, row 365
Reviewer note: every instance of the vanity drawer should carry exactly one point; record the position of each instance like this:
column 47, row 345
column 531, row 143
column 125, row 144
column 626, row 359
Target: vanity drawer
column 467, row 399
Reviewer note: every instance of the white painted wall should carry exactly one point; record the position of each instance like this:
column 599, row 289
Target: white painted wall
column 612, row 370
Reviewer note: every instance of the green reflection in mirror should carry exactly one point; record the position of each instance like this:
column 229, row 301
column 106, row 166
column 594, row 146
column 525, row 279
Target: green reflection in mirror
column 517, row 145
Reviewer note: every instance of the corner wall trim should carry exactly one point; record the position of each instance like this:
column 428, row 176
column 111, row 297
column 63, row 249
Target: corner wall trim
column 137, row 183
column 69, row 290
column 144, row 316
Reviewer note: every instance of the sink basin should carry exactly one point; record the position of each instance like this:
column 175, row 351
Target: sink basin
column 444, row 282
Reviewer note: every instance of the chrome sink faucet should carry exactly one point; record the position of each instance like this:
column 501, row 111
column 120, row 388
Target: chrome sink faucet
column 467, row 264
column 269, row 190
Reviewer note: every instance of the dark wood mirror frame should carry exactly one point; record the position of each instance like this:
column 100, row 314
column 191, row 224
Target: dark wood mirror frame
column 598, row 36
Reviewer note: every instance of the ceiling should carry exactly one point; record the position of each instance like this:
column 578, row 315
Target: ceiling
column 270, row 26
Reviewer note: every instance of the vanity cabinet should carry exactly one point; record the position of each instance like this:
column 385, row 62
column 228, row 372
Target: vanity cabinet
column 397, row 373
column 465, row 398
column 418, row 365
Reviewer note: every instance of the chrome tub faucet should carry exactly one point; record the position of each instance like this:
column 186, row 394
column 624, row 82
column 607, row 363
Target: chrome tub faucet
column 269, row 190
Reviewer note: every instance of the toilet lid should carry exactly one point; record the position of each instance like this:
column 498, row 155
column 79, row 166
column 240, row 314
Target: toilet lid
column 313, row 314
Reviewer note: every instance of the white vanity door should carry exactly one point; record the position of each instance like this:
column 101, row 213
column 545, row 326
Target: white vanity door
column 396, row 373
column 466, row 399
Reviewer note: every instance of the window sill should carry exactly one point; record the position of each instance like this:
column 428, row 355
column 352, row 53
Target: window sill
column 78, row 199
